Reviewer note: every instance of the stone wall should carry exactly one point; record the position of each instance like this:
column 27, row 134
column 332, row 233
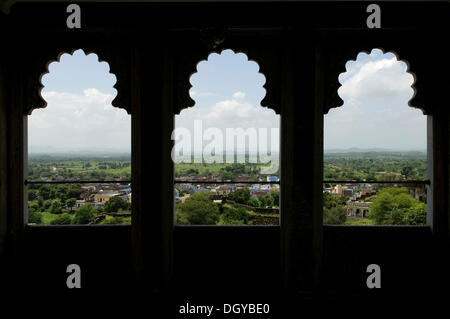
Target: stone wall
column 261, row 210
column 264, row 220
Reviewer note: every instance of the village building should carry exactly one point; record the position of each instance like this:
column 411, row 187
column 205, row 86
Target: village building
column 358, row 209
column 104, row 196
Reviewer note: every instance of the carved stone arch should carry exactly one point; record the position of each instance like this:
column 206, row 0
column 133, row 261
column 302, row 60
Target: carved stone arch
column 38, row 66
column 337, row 65
column 267, row 59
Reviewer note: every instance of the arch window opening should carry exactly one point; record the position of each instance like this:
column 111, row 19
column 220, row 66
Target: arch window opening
column 375, row 147
column 79, row 147
column 226, row 147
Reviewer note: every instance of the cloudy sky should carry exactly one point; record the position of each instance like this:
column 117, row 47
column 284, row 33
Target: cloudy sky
column 227, row 90
column 79, row 114
column 375, row 89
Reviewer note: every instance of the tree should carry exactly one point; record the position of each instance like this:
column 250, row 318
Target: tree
column 240, row 196
column 32, row 194
column 253, row 202
column 84, row 214
column 416, row 214
column 334, row 215
column 226, row 176
column 407, row 171
column 33, row 206
column 394, row 206
column 234, row 216
column 45, row 191
column 35, row 217
column 70, row 203
column 276, row 198
column 198, row 209
column 266, row 200
column 56, row 207
column 115, row 203
column 63, row 219
column 46, row 204
column 74, row 191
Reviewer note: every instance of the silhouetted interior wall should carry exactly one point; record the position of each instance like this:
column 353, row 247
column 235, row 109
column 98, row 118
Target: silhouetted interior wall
column 153, row 49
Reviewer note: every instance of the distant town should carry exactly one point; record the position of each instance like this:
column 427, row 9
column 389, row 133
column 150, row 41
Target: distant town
column 229, row 194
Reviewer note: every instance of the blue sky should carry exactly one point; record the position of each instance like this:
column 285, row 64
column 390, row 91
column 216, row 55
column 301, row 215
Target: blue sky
column 227, row 89
column 375, row 89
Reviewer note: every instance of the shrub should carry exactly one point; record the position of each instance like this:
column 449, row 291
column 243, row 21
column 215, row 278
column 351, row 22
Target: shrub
column 35, row 218
column 84, row 214
column 113, row 220
column 234, row 216
column 334, row 215
column 240, row 196
column 253, row 202
column 115, row 203
column 198, row 209
column 56, row 207
column 63, row 219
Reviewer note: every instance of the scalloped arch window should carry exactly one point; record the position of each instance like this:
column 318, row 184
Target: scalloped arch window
column 79, row 147
column 226, row 149
column 375, row 147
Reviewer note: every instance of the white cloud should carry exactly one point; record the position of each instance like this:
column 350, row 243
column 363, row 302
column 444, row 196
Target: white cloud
column 239, row 95
column 375, row 112
column 234, row 113
column 377, row 79
column 84, row 121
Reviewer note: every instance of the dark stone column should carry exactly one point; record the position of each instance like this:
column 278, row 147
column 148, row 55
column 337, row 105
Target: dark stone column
column 301, row 169
column 3, row 158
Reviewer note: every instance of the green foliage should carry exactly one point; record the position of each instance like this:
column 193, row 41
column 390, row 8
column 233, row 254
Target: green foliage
column 253, row 202
column 234, row 216
column 240, row 196
column 266, row 200
column 56, row 207
column 362, row 221
column 198, row 209
column 407, row 171
column 34, row 206
column 115, row 203
column 394, row 206
column 226, row 176
column 330, row 201
column 334, row 215
column 416, row 215
column 45, row 191
column 51, row 166
column 35, row 217
column 32, row 194
column 276, row 198
column 46, row 204
column 375, row 165
column 84, row 214
column 113, row 220
column 70, row 202
column 63, row 219
column 223, row 170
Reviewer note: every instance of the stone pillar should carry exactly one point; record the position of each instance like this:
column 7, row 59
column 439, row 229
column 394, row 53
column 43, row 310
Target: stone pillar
column 301, row 166
column 3, row 159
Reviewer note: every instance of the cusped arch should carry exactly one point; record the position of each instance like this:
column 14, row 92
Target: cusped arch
column 185, row 101
column 38, row 102
column 416, row 101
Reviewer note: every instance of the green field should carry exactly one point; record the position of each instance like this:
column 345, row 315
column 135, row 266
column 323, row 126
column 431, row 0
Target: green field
column 375, row 166
column 84, row 168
